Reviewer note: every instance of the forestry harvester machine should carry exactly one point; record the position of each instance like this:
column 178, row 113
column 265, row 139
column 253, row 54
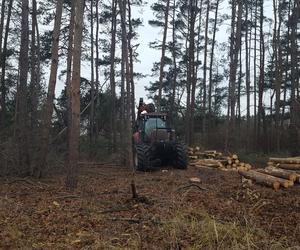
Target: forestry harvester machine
column 155, row 142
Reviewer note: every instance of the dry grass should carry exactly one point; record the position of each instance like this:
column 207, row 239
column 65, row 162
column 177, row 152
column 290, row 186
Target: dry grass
column 195, row 229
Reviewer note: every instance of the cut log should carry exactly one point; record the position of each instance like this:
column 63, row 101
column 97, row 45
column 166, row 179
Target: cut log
column 286, row 160
column 248, row 166
column 242, row 164
column 190, row 149
column 285, row 174
column 210, row 152
column 283, row 182
column 210, row 165
column 265, row 179
column 236, row 162
column 234, row 157
column 289, row 166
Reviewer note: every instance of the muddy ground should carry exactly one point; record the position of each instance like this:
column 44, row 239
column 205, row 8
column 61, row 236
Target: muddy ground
column 170, row 212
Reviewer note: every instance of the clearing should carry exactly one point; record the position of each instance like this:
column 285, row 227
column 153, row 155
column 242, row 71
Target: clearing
column 171, row 212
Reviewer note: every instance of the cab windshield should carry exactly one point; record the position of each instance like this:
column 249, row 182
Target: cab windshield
column 153, row 123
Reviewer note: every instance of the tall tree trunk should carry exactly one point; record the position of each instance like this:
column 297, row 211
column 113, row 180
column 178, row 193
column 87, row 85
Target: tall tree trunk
column 233, row 70
column 286, row 70
column 261, row 77
column 92, row 107
column 33, row 88
column 248, row 56
column 211, row 63
column 205, row 68
column 295, row 105
column 238, row 113
column 112, row 75
column 74, row 123
column 163, row 51
column 22, row 119
column 130, row 50
column 174, row 78
column 255, row 71
column 3, row 54
column 97, row 70
column 69, row 64
column 48, row 108
column 126, row 75
column 277, row 55
column 191, row 74
column 2, row 23
column 231, row 55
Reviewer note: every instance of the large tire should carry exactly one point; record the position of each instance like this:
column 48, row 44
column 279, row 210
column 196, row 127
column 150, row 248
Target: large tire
column 141, row 157
column 181, row 156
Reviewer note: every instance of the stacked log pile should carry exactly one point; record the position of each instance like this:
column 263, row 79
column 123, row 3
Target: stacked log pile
column 285, row 163
column 215, row 159
column 280, row 172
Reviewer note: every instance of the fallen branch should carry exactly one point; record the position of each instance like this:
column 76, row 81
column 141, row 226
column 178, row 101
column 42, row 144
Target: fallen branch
column 192, row 185
column 71, row 196
column 24, row 180
column 130, row 220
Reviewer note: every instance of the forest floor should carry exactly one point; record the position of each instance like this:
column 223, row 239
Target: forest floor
column 170, row 213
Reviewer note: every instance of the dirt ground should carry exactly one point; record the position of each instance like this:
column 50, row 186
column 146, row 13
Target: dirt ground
column 170, row 213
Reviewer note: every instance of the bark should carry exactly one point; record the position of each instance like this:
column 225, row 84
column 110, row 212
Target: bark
column 97, row 70
column 191, row 73
column 210, row 88
column 2, row 23
column 255, row 70
column 48, row 108
column 130, row 50
column 289, row 166
column 174, row 79
column 3, row 53
column 248, row 56
column 74, row 123
column 295, row 105
column 34, row 88
column 286, row 70
column 261, row 84
column 112, row 76
column 163, row 51
column 205, row 68
column 284, row 174
column 69, row 63
column 126, row 75
column 278, row 71
column 236, row 36
column 261, row 178
column 22, row 119
column 92, row 106
column 285, row 160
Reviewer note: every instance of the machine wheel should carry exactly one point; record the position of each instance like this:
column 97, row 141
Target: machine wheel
column 141, row 157
column 181, row 157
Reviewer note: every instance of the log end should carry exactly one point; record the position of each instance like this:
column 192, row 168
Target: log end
column 276, row 186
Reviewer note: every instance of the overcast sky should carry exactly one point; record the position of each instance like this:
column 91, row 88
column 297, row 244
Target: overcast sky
column 148, row 56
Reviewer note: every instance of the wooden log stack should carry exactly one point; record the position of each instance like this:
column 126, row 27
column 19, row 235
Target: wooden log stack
column 278, row 171
column 215, row 159
column 285, row 163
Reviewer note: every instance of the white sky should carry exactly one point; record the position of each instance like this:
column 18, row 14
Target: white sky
column 148, row 56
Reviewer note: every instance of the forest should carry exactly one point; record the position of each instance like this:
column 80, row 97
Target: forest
column 226, row 73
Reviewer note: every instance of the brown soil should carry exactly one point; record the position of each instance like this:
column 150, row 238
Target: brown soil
column 101, row 214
